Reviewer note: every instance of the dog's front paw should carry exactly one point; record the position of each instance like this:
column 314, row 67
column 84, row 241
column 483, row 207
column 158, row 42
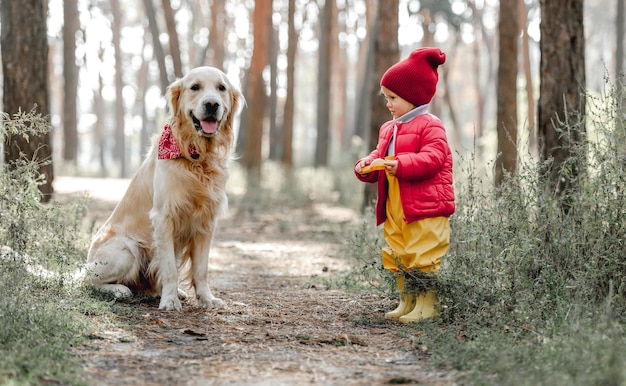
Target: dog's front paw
column 210, row 302
column 170, row 304
column 182, row 295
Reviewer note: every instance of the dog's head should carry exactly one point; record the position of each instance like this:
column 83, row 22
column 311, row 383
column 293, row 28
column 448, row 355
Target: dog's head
column 202, row 105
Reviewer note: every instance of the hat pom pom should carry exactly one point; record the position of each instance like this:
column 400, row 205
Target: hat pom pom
column 435, row 57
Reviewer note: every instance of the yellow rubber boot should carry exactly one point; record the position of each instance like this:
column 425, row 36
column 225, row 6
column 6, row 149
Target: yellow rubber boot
column 407, row 301
column 426, row 307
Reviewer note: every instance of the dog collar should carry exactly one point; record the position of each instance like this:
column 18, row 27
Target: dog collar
column 169, row 149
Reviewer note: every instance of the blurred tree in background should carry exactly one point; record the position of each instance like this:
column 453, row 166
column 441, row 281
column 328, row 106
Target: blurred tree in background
column 71, row 27
column 256, row 96
column 310, row 78
column 508, row 29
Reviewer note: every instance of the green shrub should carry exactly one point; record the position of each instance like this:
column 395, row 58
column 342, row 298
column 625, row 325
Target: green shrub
column 516, row 253
column 535, row 286
column 41, row 246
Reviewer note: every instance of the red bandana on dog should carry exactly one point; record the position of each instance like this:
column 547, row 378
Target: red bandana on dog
column 169, row 149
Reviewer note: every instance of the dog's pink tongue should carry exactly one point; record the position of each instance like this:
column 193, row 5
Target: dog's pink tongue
column 209, row 127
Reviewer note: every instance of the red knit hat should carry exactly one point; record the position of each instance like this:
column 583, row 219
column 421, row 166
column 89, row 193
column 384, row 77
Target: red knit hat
column 414, row 79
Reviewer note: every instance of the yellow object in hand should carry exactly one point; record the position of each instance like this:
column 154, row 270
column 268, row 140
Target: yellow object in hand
column 377, row 164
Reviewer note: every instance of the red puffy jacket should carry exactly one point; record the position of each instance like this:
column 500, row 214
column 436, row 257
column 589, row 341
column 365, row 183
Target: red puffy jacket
column 424, row 168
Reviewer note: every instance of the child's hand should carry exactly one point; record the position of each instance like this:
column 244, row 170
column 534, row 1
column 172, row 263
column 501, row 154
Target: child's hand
column 362, row 163
column 376, row 164
column 391, row 166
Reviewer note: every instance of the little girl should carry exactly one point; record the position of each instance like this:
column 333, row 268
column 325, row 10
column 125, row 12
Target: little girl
column 415, row 187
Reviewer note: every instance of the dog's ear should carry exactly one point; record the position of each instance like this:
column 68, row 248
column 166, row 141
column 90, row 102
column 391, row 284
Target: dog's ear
column 238, row 101
column 173, row 95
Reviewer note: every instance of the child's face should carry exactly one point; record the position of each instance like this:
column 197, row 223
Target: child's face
column 396, row 105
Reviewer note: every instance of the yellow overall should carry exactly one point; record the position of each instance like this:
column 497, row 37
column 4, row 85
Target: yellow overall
column 418, row 245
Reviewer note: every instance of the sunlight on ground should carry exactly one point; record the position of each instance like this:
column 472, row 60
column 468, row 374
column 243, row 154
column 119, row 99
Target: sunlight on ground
column 108, row 189
column 276, row 258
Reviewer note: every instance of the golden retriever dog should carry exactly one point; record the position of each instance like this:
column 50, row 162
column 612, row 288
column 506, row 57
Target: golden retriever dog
column 161, row 231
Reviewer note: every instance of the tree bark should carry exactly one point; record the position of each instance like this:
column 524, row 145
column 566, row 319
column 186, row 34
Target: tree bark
column 530, row 97
column 339, row 82
column 275, row 137
column 71, row 26
column 365, row 66
column 140, row 108
column 482, row 66
column 215, row 46
column 455, row 129
column 170, row 23
column 322, row 142
column 159, row 54
column 287, row 130
column 619, row 40
column 24, row 48
column 620, row 79
column 561, row 106
column 507, row 90
column 120, row 134
column 99, row 107
column 257, row 97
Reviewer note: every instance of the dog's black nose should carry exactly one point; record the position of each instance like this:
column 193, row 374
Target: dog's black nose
column 211, row 107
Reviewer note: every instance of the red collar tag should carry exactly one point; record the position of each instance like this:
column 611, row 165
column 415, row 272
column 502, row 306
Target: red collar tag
column 169, row 149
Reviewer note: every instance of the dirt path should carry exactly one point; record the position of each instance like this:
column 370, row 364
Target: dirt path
column 281, row 327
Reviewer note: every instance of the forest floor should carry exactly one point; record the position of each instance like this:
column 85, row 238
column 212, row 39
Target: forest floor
column 282, row 324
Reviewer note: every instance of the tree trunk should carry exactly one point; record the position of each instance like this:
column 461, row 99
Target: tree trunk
column 147, row 123
column 323, row 85
column 447, row 96
column 386, row 54
column 275, row 137
column 364, row 68
column 120, row 134
column 561, row 106
column 71, row 25
column 507, row 90
column 620, row 79
column 24, row 49
column 159, row 54
column 339, row 82
column 257, row 97
column 215, row 46
column 100, row 138
column 483, row 73
column 428, row 27
column 292, row 46
column 530, row 98
column 140, row 107
column 619, row 40
column 478, row 89
column 170, row 23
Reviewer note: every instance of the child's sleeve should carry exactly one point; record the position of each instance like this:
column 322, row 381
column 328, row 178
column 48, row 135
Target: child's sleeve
column 369, row 177
column 379, row 152
column 430, row 159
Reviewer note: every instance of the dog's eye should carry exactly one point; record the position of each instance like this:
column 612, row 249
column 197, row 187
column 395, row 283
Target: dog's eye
column 195, row 87
column 221, row 87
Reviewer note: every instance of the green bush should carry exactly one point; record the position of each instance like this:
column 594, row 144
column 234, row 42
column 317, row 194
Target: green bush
column 535, row 286
column 41, row 246
column 516, row 251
